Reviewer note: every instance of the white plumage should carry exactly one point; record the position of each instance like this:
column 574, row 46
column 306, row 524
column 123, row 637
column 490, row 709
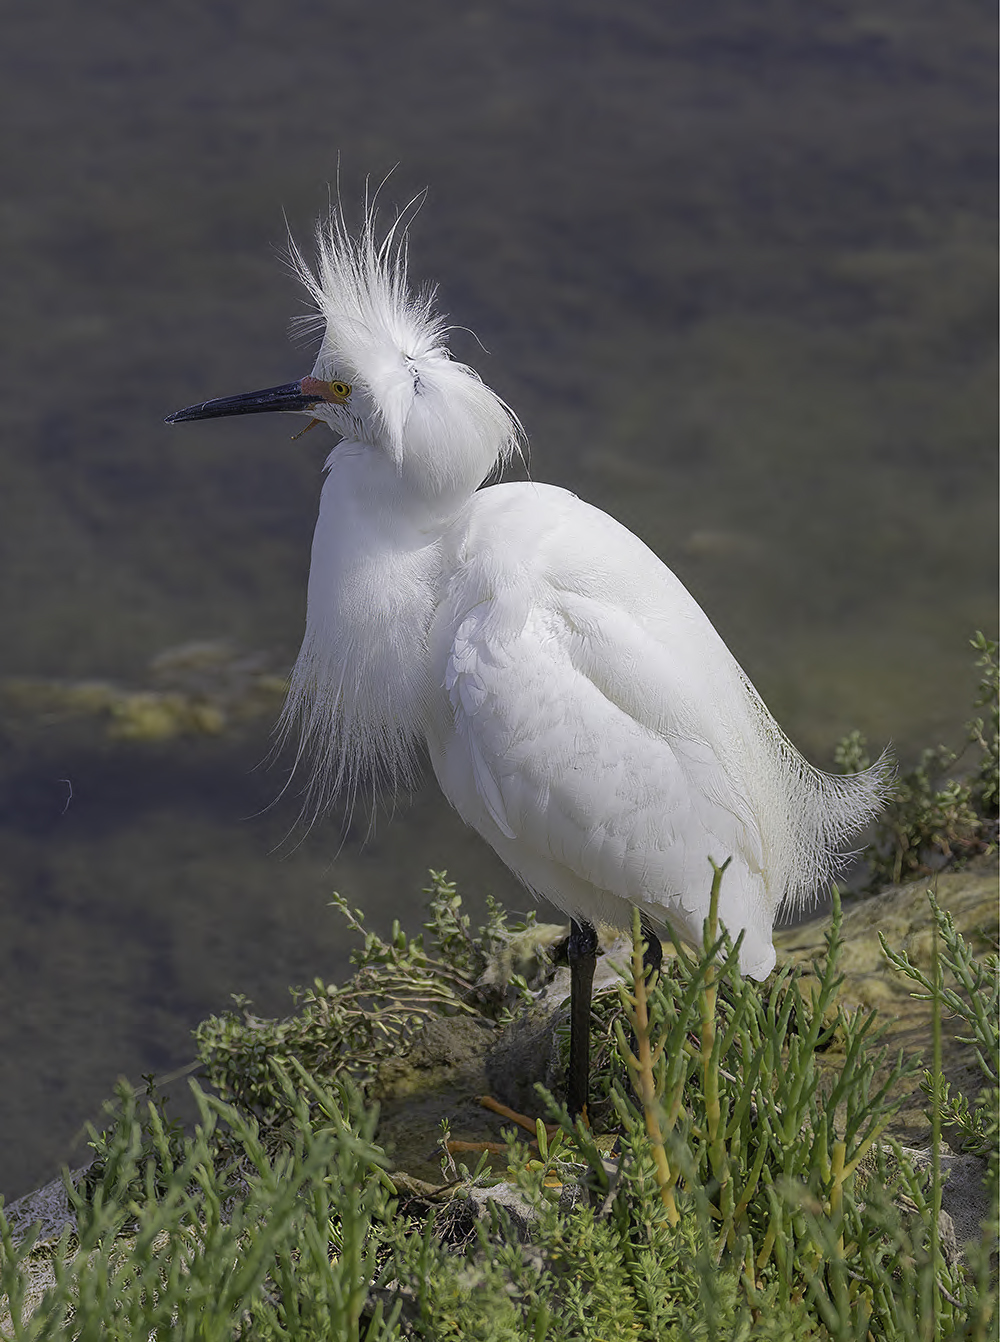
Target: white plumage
column 579, row 709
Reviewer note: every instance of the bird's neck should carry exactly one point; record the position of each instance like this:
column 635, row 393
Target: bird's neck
column 361, row 688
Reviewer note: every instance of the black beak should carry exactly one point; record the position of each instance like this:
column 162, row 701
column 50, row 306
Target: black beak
column 288, row 397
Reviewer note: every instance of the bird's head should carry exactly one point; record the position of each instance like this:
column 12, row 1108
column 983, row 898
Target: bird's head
column 384, row 377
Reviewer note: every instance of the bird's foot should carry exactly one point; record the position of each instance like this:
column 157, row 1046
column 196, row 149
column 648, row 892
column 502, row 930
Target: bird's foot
column 529, row 1124
column 456, row 1147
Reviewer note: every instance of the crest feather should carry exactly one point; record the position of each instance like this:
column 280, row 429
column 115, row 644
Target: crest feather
column 389, row 341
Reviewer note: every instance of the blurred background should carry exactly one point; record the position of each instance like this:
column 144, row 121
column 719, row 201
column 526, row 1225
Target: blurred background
column 732, row 265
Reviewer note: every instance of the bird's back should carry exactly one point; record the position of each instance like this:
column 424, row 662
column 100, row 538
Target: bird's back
column 598, row 733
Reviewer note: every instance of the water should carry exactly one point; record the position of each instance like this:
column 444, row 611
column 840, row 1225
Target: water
column 734, row 272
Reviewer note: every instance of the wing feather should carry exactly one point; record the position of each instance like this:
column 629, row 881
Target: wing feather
column 582, row 747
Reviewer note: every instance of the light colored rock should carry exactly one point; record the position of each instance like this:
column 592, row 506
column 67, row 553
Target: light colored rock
column 48, row 1207
column 474, row 1203
column 964, row 1195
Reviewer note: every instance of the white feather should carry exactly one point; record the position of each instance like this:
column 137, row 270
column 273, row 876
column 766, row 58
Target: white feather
column 579, row 709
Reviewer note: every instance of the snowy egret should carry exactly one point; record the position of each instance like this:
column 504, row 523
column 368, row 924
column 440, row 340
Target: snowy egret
column 578, row 707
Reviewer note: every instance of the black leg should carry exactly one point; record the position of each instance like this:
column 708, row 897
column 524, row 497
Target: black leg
column 582, row 951
column 653, row 957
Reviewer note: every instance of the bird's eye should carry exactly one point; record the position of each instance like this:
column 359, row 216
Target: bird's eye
column 340, row 388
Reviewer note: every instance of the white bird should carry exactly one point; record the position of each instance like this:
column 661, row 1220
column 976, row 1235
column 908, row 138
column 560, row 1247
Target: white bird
column 578, row 708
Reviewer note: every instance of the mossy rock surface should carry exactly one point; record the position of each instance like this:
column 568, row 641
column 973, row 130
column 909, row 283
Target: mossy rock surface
column 902, row 915
column 440, row 1078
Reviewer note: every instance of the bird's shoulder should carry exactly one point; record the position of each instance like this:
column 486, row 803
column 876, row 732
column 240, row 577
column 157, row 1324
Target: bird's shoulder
column 535, row 564
column 535, row 545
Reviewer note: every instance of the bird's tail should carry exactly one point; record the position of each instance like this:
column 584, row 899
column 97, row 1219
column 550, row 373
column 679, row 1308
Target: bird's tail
column 808, row 816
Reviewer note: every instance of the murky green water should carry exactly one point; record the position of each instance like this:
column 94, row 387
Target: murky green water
column 735, row 272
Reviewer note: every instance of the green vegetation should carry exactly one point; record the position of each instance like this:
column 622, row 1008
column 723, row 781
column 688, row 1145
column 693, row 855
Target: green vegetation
column 939, row 813
column 974, row 1000
column 752, row 1193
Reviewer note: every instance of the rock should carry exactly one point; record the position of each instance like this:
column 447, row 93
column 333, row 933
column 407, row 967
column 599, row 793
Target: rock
column 473, row 1203
column 476, row 1204
column 440, row 1079
column 48, row 1207
column 526, row 1055
column 903, row 915
column 447, row 1048
column 965, row 1198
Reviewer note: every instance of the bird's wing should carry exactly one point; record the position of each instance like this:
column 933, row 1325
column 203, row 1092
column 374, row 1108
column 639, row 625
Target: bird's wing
column 582, row 744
